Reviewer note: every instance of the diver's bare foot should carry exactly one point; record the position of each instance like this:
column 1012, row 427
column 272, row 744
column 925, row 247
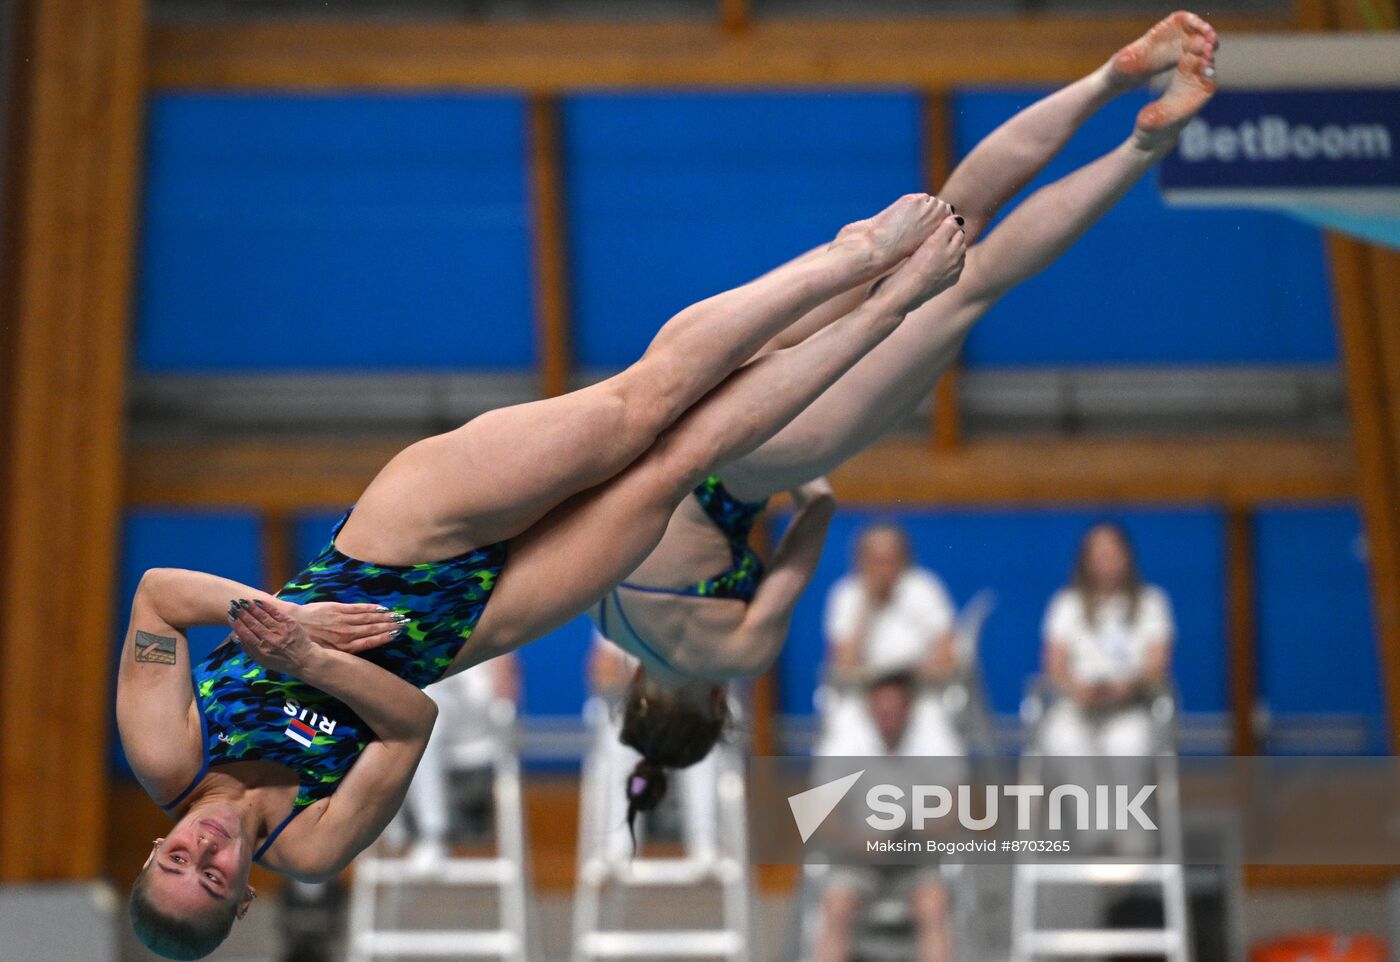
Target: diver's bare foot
column 1191, row 87
column 929, row 271
column 1160, row 48
column 895, row 232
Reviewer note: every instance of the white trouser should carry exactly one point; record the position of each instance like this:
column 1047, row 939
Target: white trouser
column 1069, row 730
column 1110, row 747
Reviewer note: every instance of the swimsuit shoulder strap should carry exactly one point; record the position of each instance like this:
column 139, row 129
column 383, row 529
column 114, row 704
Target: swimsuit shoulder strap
column 272, row 836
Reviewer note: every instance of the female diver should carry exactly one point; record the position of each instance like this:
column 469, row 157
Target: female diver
column 287, row 746
column 692, row 629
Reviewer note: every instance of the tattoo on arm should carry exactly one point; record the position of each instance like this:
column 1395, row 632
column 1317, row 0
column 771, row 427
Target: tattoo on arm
column 157, row 649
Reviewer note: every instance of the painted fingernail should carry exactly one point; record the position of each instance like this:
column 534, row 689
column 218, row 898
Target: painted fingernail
column 961, row 221
column 397, row 632
column 952, row 208
column 259, row 603
column 381, row 608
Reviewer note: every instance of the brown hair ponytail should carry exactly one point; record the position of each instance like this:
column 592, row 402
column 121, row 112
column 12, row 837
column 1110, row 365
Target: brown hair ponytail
column 669, row 728
column 646, row 787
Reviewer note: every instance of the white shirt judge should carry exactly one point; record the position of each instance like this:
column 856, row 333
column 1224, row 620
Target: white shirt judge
column 887, row 617
column 1107, row 656
column 901, row 630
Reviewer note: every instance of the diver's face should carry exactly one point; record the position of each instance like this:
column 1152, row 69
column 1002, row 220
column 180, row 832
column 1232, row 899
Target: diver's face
column 202, row 864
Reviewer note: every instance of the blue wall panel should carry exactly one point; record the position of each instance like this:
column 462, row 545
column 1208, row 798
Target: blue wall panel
column 1025, row 557
column 676, row 197
column 1151, row 284
column 222, row 543
column 334, row 232
column 1317, row 637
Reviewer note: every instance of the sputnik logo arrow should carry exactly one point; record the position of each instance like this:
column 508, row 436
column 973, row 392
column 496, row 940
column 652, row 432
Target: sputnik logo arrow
column 810, row 808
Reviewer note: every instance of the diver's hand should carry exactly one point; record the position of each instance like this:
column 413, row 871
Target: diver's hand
column 271, row 638
column 351, row 628
column 818, row 489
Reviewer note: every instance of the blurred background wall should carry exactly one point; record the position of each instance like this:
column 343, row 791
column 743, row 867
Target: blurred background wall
column 265, row 243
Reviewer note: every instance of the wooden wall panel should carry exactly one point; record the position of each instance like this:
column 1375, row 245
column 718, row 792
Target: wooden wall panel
column 1241, row 601
column 551, row 260
column 735, row 15
column 299, row 475
column 80, row 91
column 1366, row 311
column 925, row 53
column 945, row 411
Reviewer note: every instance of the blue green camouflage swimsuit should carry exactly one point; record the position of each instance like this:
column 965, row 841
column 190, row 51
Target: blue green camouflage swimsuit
column 735, row 520
column 249, row 713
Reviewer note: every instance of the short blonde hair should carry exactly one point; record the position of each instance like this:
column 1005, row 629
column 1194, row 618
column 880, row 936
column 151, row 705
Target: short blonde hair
column 171, row 936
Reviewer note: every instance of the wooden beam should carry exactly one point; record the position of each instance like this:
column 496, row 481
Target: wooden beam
column 305, row 474
column 1362, row 320
column 550, row 237
column 1319, row 876
column 1231, row 471
column 279, row 559
column 945, row 413
column 1363, row 15
column 1385, row 294
column 1243, row 634
column 1313, row 14
column 928, row 53
column 81, row 89
column 735, row 16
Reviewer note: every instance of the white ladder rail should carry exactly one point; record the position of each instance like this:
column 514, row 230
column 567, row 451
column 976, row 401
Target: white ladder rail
column 599, row 868
column 375, row 931
column 1172, row 940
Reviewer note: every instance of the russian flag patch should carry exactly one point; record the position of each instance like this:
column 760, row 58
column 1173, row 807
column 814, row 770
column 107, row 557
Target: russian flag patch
column 300, row 732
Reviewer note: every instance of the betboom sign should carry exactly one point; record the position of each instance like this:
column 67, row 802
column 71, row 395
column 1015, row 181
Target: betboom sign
column 1290, row 140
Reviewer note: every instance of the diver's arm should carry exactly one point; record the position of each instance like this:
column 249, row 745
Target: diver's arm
column 187, row 599
column 156, row 712
column 790, row 570
column 393, row 709
column 316, row 848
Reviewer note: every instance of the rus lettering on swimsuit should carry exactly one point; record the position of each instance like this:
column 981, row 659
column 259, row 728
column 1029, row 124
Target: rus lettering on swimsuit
column 326, row 725
column 1271, row 138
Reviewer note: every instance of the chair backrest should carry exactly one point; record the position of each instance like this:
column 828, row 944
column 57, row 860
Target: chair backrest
column 968, row 624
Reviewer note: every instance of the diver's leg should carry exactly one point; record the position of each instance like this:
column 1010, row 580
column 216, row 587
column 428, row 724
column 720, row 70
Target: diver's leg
column 893, row 378
column 494, row 476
